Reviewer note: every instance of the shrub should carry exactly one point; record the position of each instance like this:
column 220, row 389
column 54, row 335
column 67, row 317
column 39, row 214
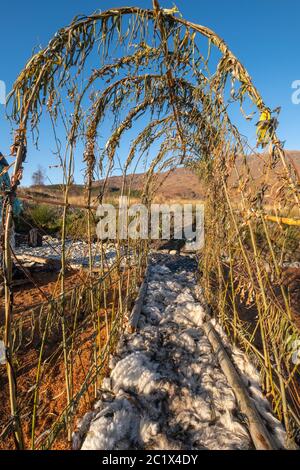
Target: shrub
column 39, row 216
column 76, row 225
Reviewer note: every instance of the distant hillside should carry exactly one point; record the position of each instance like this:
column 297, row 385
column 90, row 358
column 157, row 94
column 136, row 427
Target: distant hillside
column 181, row 183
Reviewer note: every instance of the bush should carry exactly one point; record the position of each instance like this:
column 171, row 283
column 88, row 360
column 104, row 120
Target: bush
column 49, row 219
column 76, row 225
column 44, row 216
column 38, row 216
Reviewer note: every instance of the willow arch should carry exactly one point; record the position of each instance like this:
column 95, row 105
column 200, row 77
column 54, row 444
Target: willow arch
column 160, row 73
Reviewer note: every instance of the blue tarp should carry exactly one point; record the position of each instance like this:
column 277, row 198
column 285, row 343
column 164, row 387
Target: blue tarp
column 5, row 184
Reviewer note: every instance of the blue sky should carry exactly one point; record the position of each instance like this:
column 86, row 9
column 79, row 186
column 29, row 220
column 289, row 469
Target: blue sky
column 265, row 35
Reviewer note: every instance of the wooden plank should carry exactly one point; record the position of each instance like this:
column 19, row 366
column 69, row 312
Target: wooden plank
column 53, row 202
column 33, row 259
column 261, row 438
column 136, row 311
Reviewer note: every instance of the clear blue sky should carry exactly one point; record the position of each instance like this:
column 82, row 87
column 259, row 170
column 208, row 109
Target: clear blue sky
column 264, row 34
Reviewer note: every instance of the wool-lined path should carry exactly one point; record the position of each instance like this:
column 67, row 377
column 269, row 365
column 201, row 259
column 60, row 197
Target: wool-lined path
column 166, row 389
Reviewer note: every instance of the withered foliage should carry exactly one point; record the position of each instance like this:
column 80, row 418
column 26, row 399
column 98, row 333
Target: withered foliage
column 178, row 84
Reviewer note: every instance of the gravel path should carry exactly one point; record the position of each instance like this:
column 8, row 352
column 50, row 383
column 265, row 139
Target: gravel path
column 166, row 389
column 77, row 252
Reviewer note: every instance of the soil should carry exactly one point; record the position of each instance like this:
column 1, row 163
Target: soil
column 46, row 286
column 52, row 391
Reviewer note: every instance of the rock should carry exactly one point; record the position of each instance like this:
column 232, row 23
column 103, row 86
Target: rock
column 77, row 253
column 35, row 239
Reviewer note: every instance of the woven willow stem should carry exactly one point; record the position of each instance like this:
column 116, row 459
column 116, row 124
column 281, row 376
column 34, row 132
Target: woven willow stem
column 68, row 379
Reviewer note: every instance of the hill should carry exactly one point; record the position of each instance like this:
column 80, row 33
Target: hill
column 180, row 184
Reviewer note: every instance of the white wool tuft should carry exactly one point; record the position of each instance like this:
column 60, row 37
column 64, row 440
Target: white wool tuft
column 166, row 389
column 135, row 372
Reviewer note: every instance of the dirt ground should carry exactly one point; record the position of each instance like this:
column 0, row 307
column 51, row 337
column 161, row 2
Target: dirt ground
column 52, row 395
column 291, row 280
column 47, row 285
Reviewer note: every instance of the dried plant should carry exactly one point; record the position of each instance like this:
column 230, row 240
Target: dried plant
column 157, row 69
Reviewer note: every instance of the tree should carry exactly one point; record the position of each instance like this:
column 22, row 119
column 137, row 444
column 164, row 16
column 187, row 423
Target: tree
column 38, row 177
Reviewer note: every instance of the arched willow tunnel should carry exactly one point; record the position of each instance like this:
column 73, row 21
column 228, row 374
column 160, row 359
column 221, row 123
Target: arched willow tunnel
column 182, row 96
